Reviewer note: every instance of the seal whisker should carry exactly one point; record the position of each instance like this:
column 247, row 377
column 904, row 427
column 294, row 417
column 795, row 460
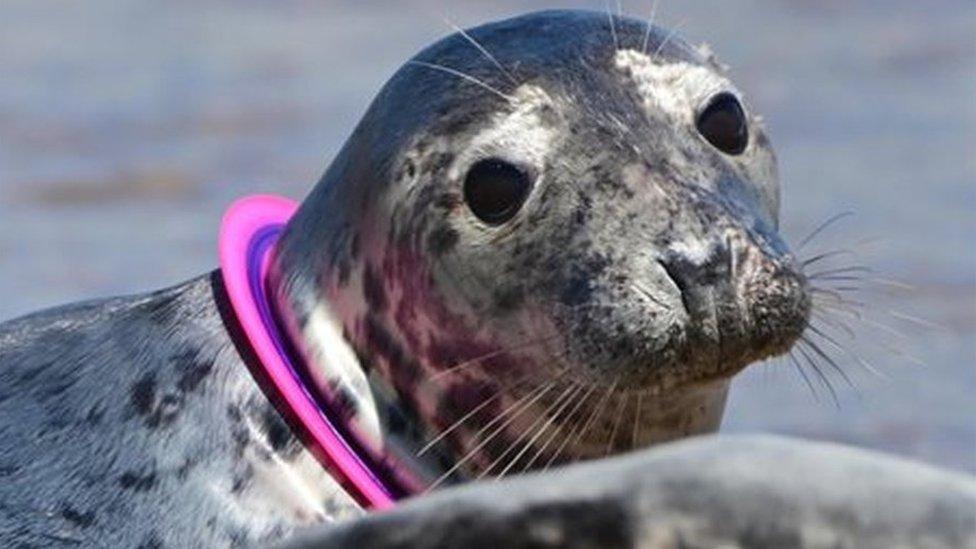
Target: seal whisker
column 474, row 80
column 845, row 275
column 650, row 25
column 637, row 418
column 838, row 304
column 840, row 271
column 866, row 320
column 471, row 413
column 903, row 355
column 833, row 297
column 832, row 315
column 837, row 278
column 805, row 340
column 894, row 332
column 834, row 322
column 838, row 296
column 552, row 416
column 844, row 349
column 526, row 432
column 835, row 307
column 443, row 434
column 883, row 282
column 559, row 428
column 613, row 25
column 487, row 356
column 578, row 429
column 823, row 377
column 847, row 289
column 596, row 413
column 668, row 38
column 822, row 227
column 803, row 374
column 616, row 423
column 515, row 409
column 484, row 51
column 826, row 255
column 856, row 247
column 898, row 284
column 917, row 321
column 839, row 287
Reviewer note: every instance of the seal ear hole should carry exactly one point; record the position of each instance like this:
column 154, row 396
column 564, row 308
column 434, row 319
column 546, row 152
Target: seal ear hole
column 723, row 124
column 408, row 170
column 495, row 190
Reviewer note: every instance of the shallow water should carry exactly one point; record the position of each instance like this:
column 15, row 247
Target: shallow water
column 127, row 126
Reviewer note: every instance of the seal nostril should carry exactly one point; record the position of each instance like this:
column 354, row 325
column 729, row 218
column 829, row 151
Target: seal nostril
column 702, row 275
column 679, row 276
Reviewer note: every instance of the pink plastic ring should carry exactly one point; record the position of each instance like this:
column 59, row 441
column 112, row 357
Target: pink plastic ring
column 248, row 233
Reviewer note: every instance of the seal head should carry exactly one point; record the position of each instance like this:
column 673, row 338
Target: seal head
column 549, row 238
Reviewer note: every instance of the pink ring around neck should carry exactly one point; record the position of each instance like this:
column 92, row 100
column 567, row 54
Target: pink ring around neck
column 248, row 232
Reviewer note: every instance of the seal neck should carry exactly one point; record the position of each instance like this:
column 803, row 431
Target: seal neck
column 249, row 231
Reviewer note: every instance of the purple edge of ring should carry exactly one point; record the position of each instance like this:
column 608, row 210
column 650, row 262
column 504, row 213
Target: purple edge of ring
column 258, row 248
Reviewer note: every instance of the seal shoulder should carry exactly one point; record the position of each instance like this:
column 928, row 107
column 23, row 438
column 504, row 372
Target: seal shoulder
column 45, row 344
column 84, row 391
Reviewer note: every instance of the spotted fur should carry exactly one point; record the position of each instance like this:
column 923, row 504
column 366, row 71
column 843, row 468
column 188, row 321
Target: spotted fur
column 134, row 422
column 642, row 273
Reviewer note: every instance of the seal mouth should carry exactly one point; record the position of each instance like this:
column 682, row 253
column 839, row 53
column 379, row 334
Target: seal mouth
column 719, row 323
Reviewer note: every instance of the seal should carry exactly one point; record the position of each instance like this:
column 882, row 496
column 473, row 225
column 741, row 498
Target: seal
column 551, row 238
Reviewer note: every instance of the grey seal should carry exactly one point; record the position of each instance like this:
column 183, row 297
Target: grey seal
column 550, row 238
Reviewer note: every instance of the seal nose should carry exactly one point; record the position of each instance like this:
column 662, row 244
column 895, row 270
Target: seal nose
column 703, row 278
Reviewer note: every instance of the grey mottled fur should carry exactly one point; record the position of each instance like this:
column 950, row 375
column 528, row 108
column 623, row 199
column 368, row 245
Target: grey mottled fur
column 133, row 422
column 728, row 492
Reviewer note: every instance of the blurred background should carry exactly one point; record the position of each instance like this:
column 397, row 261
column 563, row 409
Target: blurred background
column 127, row 126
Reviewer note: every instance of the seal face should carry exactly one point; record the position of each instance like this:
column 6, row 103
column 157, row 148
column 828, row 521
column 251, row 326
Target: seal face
column 550, row 238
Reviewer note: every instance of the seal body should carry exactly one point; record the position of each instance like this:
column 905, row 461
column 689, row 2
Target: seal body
column 133, row 422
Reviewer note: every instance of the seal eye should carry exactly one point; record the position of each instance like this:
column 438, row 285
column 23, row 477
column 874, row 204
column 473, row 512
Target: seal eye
column 495, row 190
column 723, row 124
